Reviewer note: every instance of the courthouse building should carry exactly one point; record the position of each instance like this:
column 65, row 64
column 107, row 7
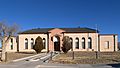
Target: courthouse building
column 82, row 39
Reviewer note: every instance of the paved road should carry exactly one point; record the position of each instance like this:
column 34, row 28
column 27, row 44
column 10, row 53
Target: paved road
column 77, row 66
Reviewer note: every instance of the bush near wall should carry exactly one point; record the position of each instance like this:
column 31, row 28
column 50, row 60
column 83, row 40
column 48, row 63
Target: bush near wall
column 38, row 47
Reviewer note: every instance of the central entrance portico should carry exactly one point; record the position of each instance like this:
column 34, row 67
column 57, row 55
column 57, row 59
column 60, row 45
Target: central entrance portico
column 55, row 43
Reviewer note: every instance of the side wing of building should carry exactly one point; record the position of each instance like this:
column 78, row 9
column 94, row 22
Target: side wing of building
column 12, row 44
column 108, row 42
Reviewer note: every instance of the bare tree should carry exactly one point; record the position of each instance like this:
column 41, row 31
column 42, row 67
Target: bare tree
column 5, row 34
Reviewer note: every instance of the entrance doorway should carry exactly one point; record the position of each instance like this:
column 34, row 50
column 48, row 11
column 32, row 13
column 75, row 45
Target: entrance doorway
column 56, row 40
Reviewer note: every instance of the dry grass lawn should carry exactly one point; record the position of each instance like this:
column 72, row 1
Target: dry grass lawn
column 87, row 58
column 17, row 55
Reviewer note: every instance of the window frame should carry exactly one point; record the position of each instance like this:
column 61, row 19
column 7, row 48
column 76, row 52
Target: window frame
column 83, row 43
column 77, row 43
column 90, row 43
column 32, row 43
column 26, row 43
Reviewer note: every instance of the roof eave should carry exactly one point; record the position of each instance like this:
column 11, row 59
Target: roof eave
column 36, row 33
column 78, row 32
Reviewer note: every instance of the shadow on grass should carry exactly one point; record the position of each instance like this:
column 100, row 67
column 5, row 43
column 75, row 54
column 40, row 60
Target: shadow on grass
column 117, row 65
column 26, row 52
column 29, row 52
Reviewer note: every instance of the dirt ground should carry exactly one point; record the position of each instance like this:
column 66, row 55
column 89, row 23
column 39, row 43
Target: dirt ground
column 87, row 58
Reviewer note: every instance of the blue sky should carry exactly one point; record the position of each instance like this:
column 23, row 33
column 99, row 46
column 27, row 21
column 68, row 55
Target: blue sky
column 30, row 14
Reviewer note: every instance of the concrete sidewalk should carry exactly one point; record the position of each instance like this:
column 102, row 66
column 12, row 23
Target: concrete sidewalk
column 44, row 57
column 30, row 57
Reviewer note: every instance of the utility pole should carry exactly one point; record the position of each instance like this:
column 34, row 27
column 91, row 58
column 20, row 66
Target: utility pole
column 97, row 52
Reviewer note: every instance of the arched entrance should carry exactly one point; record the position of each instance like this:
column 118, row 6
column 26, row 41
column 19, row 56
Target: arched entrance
column 56, row 40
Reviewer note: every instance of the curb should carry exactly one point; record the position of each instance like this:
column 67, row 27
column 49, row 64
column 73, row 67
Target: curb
column 27, row 57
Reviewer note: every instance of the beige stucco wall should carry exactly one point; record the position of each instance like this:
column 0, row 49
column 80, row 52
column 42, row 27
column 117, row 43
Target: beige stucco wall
column 22, row 38
column 8, row 47
column 54, row 32
column 110, row 39
column 94, row 37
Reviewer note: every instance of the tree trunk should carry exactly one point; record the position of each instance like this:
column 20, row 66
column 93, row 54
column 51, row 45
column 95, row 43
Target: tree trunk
column 3, row 56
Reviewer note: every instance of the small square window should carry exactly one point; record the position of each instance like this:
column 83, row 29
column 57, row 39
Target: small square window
column 107, row 44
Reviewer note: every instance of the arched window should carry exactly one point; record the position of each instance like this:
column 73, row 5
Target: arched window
column 77, row 43
column 71, row 40
column 44, row 43
column 83, row 43
column 89, row 43
column 26, row 43
column 11, row 41
column 32, row 43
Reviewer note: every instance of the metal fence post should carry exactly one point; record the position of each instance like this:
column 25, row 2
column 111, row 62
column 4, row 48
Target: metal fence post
column 51, row 55
column 73, row 55
column 97, row 54
column 5, row 56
